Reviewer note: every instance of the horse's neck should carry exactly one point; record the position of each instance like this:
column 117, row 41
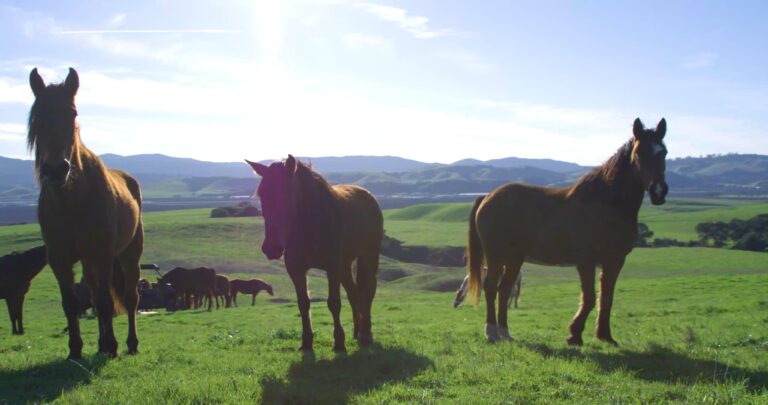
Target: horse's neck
column 315, row 210
column 629, row 193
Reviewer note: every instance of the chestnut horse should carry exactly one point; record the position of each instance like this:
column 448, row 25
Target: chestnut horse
column 87, row 213
column 252, row 286
column 317, row 225
column 592, row 222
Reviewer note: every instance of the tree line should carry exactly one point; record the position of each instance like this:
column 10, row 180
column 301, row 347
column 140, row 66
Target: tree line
column 750, row 234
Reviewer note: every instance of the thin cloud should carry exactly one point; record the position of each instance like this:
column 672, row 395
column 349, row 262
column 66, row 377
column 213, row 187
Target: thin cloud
column 701, row 60
column 191, row 31
column 469, row 61
column 356, row 40
column 417, row 26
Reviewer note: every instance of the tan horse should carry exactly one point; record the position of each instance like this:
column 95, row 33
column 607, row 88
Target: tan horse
column 592, row 222
column 87, row 213
column 317, row 225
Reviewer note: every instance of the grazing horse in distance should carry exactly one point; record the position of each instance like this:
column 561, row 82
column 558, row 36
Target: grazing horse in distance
column 252, row 286
column 223, row 290
column 592, row 222
column 317, row 225
column 87, row 213
column 16, row 273
column 179, row 279
column 461, row 293
column 203, row 285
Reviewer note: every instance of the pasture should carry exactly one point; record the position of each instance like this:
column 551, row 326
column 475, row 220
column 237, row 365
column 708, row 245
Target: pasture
column 690, row 323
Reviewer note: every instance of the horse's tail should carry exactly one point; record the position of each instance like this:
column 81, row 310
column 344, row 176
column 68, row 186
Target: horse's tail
column 474, row 254
column 118, row 288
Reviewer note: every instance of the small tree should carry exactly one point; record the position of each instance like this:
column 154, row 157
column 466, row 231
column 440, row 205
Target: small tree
column 643, row 235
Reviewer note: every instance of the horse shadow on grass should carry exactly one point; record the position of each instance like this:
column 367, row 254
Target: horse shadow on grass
column 336, row 380
column 47, row 382
column 661, row 364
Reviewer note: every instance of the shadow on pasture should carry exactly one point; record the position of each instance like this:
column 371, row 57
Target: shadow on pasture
column 335, row 380
column 661, row 364
column 46, row 382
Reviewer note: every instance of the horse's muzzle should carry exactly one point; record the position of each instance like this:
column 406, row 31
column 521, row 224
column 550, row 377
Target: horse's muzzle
column 658, row 192
column 56, row 174
column 272, row 252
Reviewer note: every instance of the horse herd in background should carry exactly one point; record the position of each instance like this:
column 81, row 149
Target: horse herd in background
column 92, row 214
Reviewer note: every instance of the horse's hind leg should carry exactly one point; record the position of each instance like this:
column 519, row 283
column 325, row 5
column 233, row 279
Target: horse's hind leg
column 505, row 292
column 129, row 262
column 20, row 313
column 353, row 297
column 334, row 305
column 66, row 280
column 587, row 276
column 608, row 278
column 367, row 268
column 491, row 286
column 12, row 302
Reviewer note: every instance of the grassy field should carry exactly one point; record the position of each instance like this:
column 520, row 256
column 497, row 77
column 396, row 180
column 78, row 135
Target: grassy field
column 445, row 224
column 691, row 324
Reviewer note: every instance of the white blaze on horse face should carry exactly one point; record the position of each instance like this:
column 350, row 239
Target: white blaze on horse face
column 657, row 148
column 657, row 188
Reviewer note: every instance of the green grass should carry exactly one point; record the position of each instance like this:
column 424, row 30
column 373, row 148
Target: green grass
column 690, row 321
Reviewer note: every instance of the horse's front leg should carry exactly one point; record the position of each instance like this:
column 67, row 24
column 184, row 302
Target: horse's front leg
column 608, row 277
column 587, row 303
column 299, row 279
column 62, row 269
column 334, row 305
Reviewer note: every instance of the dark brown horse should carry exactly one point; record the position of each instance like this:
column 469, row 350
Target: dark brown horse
column 16, row 273
column 316, row 225
column 592, row 222
column 252, row 286
column 87, row 213
column 223, row 290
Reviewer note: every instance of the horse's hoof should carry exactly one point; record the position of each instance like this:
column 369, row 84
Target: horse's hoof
column 132, row 352
column 492, row 333
column 574, row 341
column 74, row 356
column 339, row 349
column 504, row 334
column 305, row 349
column 365, row 339
column 609, row 340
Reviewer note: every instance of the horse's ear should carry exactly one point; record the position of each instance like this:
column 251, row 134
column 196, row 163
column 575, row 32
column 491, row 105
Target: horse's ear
column 259, row 168
column 290, row 164
column 661, row 128
column 72, row 82
column 638, row 129
column 36, row 82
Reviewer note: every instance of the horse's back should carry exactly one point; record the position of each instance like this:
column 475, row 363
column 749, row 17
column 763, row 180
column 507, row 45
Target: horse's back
column 363, row 222
column 123, row 179
column 546, row 225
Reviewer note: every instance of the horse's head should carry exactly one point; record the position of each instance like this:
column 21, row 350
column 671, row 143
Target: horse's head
column 648, row 154
column 53, row 127
column 269, row 290
column 275, row 194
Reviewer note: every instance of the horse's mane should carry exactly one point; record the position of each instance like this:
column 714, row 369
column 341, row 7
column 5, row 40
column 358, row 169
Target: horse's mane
column 316, row 209
column 602, row 182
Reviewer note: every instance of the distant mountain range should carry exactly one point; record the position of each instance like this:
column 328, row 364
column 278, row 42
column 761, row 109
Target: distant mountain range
column 168, row 177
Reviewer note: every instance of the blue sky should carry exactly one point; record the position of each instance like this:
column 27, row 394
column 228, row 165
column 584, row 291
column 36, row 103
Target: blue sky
column 430, row 80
